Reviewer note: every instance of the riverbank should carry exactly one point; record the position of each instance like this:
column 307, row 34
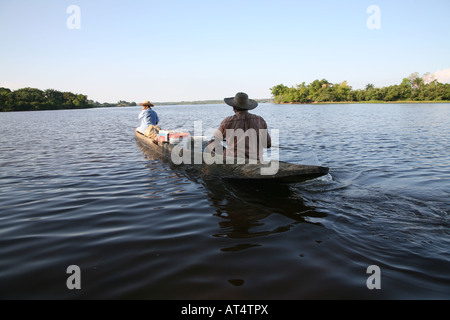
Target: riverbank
column 413, row 89
column 366, row 102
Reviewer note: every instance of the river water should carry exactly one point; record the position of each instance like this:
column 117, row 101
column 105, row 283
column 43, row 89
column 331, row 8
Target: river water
column 77, row 189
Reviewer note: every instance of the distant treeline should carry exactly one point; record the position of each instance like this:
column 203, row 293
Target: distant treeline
column 30, row 99
column 121, row 103
column 413, row 88
column 204, row 102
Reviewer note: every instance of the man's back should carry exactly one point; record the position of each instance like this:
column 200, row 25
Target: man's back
column 148, row 117
column 245, row 129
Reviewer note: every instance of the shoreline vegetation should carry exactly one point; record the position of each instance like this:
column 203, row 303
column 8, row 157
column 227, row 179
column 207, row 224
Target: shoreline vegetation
column 368, row 102
column 32, row 99
column 204, row 102
column 414, row 89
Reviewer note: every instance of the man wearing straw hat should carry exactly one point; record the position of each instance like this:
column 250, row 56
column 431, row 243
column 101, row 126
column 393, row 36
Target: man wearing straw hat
column 149, row 119
column 246, row 133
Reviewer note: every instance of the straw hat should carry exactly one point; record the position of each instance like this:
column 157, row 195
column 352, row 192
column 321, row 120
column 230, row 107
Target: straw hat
column 241, row 101
column 146, row 103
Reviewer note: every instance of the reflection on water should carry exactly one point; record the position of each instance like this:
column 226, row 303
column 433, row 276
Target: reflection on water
column 244, row 206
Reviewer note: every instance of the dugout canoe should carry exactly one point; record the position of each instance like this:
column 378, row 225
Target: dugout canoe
column 279, row 171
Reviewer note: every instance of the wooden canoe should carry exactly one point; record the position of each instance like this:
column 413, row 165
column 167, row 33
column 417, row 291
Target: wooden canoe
column 280, row 171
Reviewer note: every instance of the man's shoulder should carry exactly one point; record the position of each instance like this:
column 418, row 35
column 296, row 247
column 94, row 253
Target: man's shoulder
column 228, row 119
column 254, row 116
column 238, row 117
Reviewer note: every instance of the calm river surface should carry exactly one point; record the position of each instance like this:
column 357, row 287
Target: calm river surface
column 77, row 189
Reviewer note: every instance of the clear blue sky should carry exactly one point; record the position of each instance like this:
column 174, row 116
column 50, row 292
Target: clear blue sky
column 175, row 50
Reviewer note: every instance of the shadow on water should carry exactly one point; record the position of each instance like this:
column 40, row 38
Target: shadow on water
column 242, row 205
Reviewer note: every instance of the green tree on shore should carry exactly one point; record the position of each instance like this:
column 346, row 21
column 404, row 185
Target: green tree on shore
column 413, row 88
column 29, row 99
